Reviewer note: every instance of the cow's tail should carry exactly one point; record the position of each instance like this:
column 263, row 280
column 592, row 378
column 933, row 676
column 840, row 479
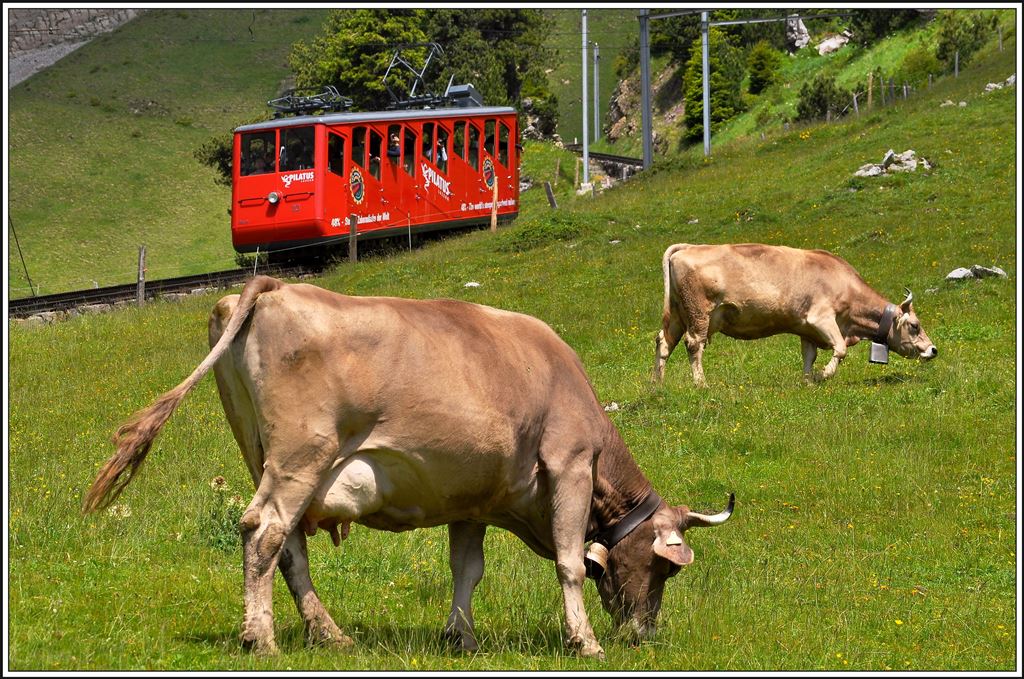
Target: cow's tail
column 666, row 270
column 135, row 436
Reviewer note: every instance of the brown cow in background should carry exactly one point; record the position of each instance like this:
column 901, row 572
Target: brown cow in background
column 750, row 291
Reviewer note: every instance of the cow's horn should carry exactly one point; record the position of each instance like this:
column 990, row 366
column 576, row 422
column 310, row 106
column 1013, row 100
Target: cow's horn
column 695, row 520
column 910, row 297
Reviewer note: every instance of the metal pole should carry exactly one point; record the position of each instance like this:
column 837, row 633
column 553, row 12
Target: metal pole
column 597, row 99
column 645, row 87
column 586, row 133
column 140, row 287
column 706, row 85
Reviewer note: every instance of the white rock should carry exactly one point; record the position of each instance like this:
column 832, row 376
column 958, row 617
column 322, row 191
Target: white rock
column 471, row 284
column 611, row 407
column 985, row 272
column 958, row 274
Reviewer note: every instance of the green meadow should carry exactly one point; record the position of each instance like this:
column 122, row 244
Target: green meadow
column 876, row 513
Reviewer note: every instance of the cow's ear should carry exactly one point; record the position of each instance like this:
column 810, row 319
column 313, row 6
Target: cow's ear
column 669, row 544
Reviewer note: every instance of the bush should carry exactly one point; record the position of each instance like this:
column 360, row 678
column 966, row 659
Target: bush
column 763, row 64
column 961, row 31
column 819, row 97
column 559, row 226
column 917, row 65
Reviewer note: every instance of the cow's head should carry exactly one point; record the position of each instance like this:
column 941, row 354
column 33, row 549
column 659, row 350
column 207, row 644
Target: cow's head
column 635, row 570
column 908, row 339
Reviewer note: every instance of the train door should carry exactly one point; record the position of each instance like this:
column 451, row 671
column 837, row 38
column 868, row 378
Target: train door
column 364, row 177
column 435, row 147
column 403, row 198
column 296, row 151
column 336, row 191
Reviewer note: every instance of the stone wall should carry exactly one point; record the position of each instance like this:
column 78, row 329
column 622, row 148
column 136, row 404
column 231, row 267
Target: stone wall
column 34, row 29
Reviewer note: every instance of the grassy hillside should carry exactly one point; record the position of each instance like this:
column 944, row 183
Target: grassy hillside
column 101, row 145
column 876, row 514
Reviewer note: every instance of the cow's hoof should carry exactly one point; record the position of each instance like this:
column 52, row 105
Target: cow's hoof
column 587, row 649
column 463, row 641
column 260, row 647
column 328, row 634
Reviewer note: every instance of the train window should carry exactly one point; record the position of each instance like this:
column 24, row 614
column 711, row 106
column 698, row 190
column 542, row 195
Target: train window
column 359, row 146
column 474, row 147
column 428, row 141
column 336, row 154
column 459, row 139
column 257, row 153
column 442, row 149
column 489, row 137
column 410, row 153
column 394, row 143
column 297, row 148
column 503, row 144
column 376, row 141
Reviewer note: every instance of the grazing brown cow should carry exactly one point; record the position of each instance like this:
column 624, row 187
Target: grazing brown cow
column 400, row 414
column 749, row 291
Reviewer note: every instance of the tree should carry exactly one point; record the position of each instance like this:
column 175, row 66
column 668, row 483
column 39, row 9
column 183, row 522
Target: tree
column 961, row 31
column 353, row 52
column 871, row 25
column 725, row 73
column 820, row 97
column 501, row 51
column 763, row 63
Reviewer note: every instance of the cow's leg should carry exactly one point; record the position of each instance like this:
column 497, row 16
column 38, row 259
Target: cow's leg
column 664, row 344
column 283, row 495
column 830, row 334
column 572, row 490
column 294, row 565
column 810, row 353
column 466, row 559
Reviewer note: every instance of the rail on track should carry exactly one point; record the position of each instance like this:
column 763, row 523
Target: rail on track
column 62, row 301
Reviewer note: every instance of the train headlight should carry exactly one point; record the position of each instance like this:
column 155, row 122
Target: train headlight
column 274, row 198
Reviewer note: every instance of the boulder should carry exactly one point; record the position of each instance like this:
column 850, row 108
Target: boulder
column 833, row 43
column 797, row 36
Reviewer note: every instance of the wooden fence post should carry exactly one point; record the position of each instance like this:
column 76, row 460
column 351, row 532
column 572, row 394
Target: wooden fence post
column 870, row 79
column 353, row 252
column 494, row 205
column 856, row 110
column 929, row 81
column 551, row 195
column 558, row 168
column 140, row 290
column 956, row 64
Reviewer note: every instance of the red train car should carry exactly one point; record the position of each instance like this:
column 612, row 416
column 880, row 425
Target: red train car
column 298, row 180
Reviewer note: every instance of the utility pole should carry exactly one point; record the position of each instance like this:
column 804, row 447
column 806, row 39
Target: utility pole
column 706, row 85
column 597, row 97
column 645, row 87
column 586, row 149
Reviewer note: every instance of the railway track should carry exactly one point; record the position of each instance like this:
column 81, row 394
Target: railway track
column 64, row 301
column 607, row 157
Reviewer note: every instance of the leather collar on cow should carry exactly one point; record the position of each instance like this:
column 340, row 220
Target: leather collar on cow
column 609, row 537
column 885, row 325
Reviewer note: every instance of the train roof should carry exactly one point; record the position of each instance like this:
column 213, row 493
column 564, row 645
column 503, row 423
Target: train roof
column 378, row 116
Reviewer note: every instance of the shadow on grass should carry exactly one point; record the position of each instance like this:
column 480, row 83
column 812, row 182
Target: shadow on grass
column 398, row 640
column 890, row 378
